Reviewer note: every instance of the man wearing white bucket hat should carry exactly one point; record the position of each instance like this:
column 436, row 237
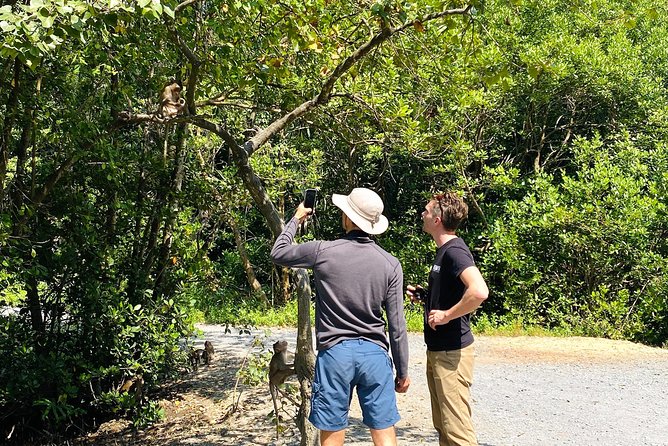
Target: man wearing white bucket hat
column 355, row 281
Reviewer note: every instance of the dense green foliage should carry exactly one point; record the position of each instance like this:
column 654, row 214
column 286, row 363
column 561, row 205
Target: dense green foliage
column 118, row 229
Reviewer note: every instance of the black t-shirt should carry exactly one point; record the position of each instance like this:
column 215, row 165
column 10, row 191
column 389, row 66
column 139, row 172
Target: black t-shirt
column 444, row 291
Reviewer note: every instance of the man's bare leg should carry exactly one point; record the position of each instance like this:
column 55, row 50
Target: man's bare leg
column 384, row 437
column 332, row 438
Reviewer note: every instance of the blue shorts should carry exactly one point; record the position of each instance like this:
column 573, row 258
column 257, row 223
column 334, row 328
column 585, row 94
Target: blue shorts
column 339, row 369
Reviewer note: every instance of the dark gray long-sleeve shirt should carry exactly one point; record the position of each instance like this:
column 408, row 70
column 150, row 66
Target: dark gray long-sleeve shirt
column 355, row 280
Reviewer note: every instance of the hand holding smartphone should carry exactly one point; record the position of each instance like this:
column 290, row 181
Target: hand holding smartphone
column 309, row 199
column 416, row 293
column 309, row 203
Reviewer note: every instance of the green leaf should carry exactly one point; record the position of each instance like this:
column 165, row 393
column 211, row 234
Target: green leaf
column 157, row 7
column 169, row 11
column 7, row 27
column 65, row 10
column 630, row 23
column 534, row 71
column 48, row 22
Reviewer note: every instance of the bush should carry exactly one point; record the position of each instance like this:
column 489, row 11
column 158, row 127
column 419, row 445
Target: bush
column 583, row 251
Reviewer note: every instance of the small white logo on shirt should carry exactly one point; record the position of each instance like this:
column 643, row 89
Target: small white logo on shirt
column 436, row 268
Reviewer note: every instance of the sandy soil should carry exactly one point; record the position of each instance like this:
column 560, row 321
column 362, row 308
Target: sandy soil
column 211, row 407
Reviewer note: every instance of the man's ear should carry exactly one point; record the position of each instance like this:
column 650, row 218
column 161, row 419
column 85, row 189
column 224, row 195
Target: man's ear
column 347, row 223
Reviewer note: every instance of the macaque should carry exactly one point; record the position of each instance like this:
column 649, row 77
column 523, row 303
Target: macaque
column 201, row 355
column 171, row 102
column 135, row 385
column 208, row 352
column 280, row 368
column 171, row 105
column 196, row 356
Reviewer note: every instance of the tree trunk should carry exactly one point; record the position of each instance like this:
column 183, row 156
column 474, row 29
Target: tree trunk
column 173, row 206
column 305, row 358
column 285, row 284
column 35, row 311
column 18, row 192
column 140, row 233
column 112, row 218
column 245, row 261
column 305, row 355
column 8, row 124
column 284, row 273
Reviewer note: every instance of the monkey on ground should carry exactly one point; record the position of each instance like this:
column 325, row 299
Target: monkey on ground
column 195, row 357
column 199, row 355
column 134, row 385
column 281, row 366
column 208, row 352
column 171, row 102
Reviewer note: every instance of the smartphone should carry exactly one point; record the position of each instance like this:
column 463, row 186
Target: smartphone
column 309, row 198
column 419, row 294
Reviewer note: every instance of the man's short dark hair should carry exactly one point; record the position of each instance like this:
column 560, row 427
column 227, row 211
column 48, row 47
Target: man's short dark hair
column 453, row 210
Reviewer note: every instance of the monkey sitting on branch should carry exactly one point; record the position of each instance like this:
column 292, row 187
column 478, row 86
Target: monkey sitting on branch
column 281, row 366
column 170, row 105
column 171, row 102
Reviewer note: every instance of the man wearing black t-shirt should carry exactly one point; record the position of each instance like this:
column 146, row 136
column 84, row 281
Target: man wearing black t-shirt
column 456, row 288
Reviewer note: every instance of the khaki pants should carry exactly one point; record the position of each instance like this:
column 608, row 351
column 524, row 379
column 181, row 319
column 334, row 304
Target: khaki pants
column 449, row 376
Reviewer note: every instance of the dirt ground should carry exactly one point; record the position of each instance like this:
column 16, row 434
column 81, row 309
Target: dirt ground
column 210, row 406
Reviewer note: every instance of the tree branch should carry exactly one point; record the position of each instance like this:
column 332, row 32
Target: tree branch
column 219, row 130
column 54, row 178
column 263, row 135
column 180, row 7
column 215, row 103
column 326, row 91
column 195, row 62
column 126, row 118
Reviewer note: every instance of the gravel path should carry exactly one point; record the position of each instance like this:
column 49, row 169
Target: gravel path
column 527, row 391
column 548, row 404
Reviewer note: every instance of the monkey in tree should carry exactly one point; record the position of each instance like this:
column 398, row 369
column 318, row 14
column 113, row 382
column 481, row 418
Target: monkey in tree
column 171, row 102
column 281, row 366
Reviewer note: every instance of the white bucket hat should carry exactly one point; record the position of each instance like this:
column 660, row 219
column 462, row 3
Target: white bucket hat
column 364, row 208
